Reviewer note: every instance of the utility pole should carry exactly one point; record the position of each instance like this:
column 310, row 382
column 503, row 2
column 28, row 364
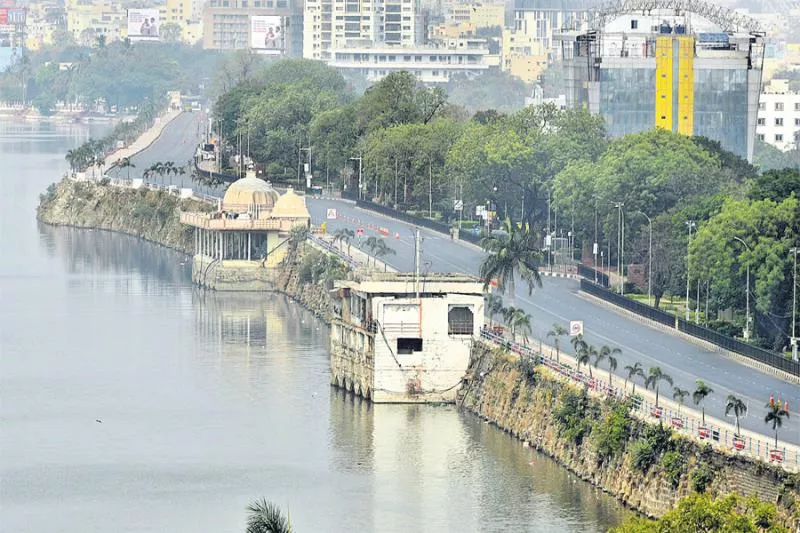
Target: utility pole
column 690, row 224
column 794, row 250
column 595, row 246
column 548, row 238
column 620, row 245
column 395, row 182
column 359, row 159
column 747, row 294
column 417, row 253
column 649, row 259
column 430, row 190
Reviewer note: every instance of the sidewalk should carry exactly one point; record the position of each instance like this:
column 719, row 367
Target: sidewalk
column 143, row 141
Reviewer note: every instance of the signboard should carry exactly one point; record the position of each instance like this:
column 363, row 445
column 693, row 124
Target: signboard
column 143, row 24
column 575, row 328
column 480, row 211
column 331, row 214
column 266, row 33
column 360, row 231
column 458, row 205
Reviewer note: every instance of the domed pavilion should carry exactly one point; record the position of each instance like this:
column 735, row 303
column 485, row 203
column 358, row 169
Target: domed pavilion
column 249, row 230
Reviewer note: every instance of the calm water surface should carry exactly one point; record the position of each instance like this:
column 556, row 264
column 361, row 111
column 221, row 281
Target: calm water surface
column 131, row 401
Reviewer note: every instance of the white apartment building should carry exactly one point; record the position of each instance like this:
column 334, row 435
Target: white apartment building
column 334, row 24
column 778, row 122
column 542, row 19
column 429, row 64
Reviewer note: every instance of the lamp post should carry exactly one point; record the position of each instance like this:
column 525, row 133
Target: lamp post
column 794, row 250
column 690, row 224
column 620, row 245
column 359, row 159
column 649, row 259
column 747, row 294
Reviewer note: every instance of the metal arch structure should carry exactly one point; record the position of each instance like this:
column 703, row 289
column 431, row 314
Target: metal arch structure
column 726, row 19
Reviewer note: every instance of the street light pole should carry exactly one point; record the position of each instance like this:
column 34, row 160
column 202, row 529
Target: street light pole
column 690, row 224
column 649, row 259
column 747, row 294
column 620, row 245
column 794, row 250
column 359, row 159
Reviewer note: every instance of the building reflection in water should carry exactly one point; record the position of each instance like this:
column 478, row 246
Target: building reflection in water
column 434, row 467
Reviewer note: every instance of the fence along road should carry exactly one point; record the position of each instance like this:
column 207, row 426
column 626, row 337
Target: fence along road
column 558, row 302
column 685, row 421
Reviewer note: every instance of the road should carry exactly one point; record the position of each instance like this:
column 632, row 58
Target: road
column 558, row 301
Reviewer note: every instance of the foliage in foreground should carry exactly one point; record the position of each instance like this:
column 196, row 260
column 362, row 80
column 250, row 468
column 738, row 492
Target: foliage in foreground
column 266, row 517
column 699, row 512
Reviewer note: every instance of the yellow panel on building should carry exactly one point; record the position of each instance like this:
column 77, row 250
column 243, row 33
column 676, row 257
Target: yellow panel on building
column 686, row 85
column 664, row 83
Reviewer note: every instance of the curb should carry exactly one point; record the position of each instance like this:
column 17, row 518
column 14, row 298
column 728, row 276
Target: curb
column 746, row 361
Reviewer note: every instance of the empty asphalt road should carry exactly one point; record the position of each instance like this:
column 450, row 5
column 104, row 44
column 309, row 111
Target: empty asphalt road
column 558, row 301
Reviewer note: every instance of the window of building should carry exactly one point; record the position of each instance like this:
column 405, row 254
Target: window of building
column 634, row 24
column 778, row 106
column 797, row 122
column 760, row 137
column 407, row 346
column 762, row 106
column 797, row 106
column 762, row 122
column 778, row 137
column 460, row 320
column 779, row 122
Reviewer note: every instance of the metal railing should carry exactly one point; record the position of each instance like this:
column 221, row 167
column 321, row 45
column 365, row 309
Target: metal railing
column 592, row 273
column 639, row 308
column 720, row 435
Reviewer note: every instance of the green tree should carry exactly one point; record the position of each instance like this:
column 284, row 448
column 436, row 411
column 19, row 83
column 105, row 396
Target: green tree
column 738, row 407
column 634, row 371
column 700, row 394
column 398, row 99
column 606, row 353
column 775, row 185
column 381, row 249
column 556, row 332
column 776, row 412
column 494, row 306
column 680, row 395
column 344, row 236
column 266, row 517
column 654, row 377
column 511, row 254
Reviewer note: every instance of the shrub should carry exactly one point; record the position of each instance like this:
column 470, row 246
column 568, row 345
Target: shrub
column 527, row 369
column 105, row 181
column 702, row 476
column 573, row 415
column 611, row 433
column 646, row 451
column 49, row 194
column 673, row 464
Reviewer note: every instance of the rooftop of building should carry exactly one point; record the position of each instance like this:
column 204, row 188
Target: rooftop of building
column 405, row 283
column 290, row 205
column 247, row 192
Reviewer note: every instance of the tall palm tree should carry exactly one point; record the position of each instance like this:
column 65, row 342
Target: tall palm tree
column 580, row 347
column 512, row 254
column 126, row 162
column 382, row 249
column 556, row 332
column 680, row 395
column 266, row 517
column 634, row 370
column 612, row 366
column 72, row 159
column 738, row 407
column 656, row 375
column 700, row 394
column 494, row 305
column 606, row 353
column 520, row 322
column 776, row 412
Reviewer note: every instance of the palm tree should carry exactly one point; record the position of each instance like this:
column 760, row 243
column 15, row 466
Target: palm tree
column 612, row 366
column 512, row 254
column 125, row 162
column 72, row 158
column 579, row 346
column 680, row 395
column 494, row 305
column 382, row 249
column 738, row 407
column 557, row 331
column 99, row 162
column 606, row 353
column 634, row 370
column 266, row 517
column 655, row 376
column 344, row 235
column 520, row 322
column 370, row 244
column 776, row 412
column 700, row 394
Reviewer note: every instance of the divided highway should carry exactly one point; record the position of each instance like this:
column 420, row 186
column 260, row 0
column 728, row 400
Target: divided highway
column 558, row 301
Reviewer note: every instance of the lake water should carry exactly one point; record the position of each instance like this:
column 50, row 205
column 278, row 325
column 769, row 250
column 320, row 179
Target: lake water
column 131, row 401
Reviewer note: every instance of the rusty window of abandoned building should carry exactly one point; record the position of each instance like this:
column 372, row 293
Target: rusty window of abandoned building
column 460, row 320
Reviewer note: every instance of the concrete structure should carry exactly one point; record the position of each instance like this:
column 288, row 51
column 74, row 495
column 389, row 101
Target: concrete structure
column 237, row 246
column 87, row 21
column 430, row 64
column 476, row 14
column 778, row 121
column 542, row 20
column 683, row 73
column 402, row 338
column 227, row 24
column 333, row 24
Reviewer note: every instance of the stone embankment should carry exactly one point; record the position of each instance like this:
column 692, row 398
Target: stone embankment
column 647, row 467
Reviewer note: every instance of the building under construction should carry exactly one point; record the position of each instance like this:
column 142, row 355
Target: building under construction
column 688, row 67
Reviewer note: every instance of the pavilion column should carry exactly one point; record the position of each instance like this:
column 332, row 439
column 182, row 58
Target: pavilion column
column 248, row 246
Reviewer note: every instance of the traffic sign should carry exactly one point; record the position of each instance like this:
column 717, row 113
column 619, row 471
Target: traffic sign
column 458, row 205
column 360, row 231
column 331, row 215
column 575, row 328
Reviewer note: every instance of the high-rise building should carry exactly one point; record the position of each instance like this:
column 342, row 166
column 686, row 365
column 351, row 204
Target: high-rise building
column 685, row 66
column 779, row 116
column 267, row 26
column 332, row 24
